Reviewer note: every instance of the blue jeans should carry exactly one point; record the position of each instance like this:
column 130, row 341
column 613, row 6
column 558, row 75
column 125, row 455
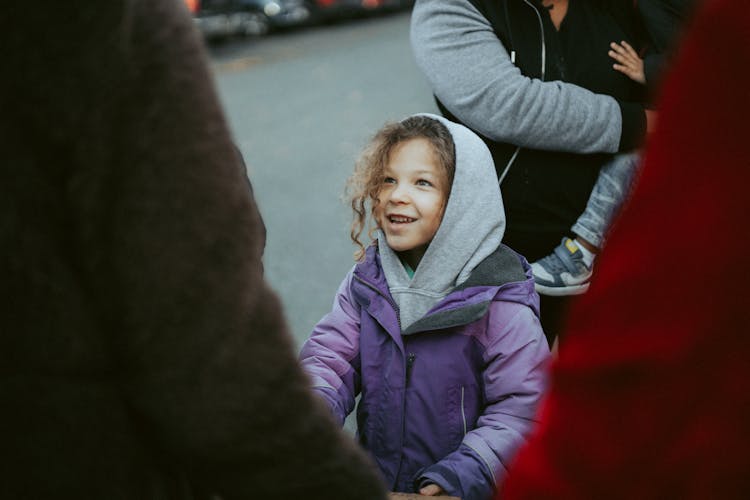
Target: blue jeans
column 610, row 192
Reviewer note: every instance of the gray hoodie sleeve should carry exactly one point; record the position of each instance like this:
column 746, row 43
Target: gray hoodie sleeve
column 471, row 73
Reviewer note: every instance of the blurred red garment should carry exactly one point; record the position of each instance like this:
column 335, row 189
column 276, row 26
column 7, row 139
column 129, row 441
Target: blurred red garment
column 651, row 391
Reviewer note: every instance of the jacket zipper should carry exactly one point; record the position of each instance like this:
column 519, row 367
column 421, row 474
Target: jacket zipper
column 543, row 73
column 409, row 364
column 407, row 368
column 388, row 299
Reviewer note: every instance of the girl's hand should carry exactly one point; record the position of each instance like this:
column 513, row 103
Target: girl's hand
column 629, row 63
column 431, row 490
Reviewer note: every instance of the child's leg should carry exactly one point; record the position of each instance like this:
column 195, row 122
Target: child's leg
column 567, row 270
column 609, row 193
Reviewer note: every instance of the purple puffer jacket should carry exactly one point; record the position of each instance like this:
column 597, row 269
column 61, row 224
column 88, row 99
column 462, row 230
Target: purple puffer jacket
column 450, row 399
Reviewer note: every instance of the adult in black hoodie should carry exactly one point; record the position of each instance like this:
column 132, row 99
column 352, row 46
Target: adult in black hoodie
column 503, row 69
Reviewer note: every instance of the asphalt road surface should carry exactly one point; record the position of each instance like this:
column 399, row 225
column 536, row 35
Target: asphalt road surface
column 302, row 104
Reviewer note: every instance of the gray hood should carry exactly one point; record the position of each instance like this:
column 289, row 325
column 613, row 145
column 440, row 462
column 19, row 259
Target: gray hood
column 472, row 228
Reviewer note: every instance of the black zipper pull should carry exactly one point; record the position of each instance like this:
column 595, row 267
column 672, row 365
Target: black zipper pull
column 409, row 363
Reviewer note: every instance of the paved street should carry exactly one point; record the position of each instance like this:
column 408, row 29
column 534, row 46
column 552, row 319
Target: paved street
column 302, row 104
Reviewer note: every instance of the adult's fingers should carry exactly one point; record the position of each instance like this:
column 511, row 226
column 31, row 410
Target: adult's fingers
column 624, row 50
column 620, row 58
column 431, row 490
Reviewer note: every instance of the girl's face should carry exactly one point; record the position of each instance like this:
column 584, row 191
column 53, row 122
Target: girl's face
column 412, row 199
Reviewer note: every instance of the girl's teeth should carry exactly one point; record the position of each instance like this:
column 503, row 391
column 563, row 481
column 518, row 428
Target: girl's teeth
column 401, row 219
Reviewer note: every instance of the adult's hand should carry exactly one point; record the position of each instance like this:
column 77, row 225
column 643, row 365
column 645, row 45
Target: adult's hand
column 628, row 61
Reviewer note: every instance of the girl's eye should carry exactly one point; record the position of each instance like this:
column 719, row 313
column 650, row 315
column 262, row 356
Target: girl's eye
column 389, row 180
column 423, row 182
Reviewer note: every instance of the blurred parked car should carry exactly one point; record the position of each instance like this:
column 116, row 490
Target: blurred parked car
column 221, row 18
column 329, row 9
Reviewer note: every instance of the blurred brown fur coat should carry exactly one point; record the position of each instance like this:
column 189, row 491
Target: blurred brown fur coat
column 142, row 354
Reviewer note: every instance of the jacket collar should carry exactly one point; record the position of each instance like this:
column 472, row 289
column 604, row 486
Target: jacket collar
column 504, row 275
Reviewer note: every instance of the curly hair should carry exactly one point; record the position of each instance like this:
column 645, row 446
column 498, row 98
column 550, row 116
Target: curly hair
column 363, row 186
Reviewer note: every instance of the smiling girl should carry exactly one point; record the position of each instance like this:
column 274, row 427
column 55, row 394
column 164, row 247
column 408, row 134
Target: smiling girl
column 437, row 325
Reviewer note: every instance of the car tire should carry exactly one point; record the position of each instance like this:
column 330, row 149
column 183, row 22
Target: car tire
column 255, row 24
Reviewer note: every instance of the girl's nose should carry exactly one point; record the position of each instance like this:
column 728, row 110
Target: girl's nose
column 400, row 194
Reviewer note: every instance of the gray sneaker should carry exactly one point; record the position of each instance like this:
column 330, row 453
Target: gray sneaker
column 562, row 272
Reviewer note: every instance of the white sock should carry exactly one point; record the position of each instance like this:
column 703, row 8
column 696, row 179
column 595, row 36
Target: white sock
column 588, row 255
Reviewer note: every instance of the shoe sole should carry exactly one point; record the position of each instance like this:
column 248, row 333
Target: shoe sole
column 561, row 291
